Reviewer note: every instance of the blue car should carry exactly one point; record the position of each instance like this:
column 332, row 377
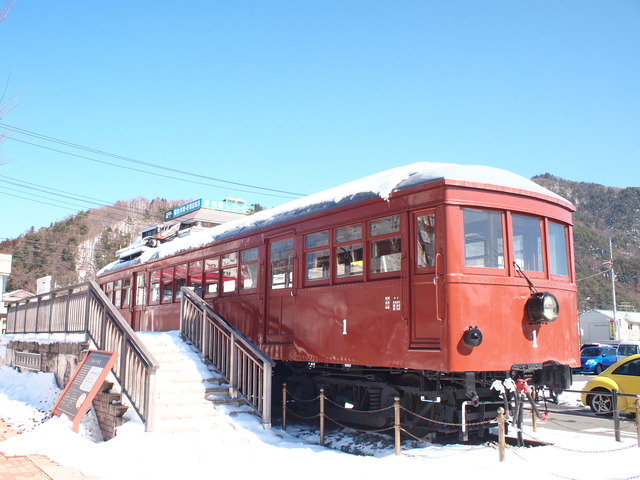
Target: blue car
column 596, row 359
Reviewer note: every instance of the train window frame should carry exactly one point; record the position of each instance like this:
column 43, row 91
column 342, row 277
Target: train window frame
column 425, row 241
column 229, row 269
column 126, row 292
column 498, row 269
column 195, row 274
column 211, row 266
column 180, row 276
column 385, row 235
column 141, row 289
column 350, row 239
column 249, row 268
column 282, row 267
column 553, row 248
column 518, row 245
column 166, row 285
column 317, row 254
column 155, row 280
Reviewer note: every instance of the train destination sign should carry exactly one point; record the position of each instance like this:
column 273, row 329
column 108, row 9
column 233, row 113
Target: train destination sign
column 76, row 398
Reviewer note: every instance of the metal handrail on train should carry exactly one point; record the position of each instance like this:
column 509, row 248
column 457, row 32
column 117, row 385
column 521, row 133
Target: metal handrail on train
column 246, row 368
column 85, row 309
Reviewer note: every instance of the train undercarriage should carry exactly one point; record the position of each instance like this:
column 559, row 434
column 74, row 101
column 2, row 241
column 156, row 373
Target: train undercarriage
column 432, row 403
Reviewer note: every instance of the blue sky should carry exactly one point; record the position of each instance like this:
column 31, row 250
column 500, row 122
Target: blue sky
column 299, row 96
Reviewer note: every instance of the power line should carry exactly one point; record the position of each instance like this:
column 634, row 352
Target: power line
column 138, row 162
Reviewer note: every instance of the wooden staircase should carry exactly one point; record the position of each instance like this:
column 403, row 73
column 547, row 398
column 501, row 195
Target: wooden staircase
column 188, row 392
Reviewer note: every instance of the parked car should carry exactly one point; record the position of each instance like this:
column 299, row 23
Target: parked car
column 623, row 376
column 627, row 348
column 595, row 359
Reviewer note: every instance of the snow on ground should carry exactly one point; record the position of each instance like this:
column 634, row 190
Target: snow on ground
column 241, row 445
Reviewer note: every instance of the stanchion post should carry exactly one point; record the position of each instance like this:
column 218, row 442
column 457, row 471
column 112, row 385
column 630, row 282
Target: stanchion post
column 322, row 416
column 616, row 414
column 638, row 418
column 534, row 417
column 284, row 406
column 501, row 433
column 396, row 423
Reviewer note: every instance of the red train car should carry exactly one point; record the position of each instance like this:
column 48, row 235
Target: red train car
column 428, row 282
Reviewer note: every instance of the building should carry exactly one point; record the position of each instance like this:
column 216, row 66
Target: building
column 10, row 297
column 599, row 326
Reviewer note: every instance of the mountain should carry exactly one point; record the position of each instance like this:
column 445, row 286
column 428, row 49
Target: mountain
column 75, row 248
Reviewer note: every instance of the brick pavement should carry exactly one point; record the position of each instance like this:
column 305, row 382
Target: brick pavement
column 32, row 467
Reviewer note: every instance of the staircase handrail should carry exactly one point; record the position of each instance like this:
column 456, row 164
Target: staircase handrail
column 246, row 368
column 86, row 309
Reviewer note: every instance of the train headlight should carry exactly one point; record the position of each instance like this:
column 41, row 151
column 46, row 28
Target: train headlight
column 472, row 337
column 543, row 307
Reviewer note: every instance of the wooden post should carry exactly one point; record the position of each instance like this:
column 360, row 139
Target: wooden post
column 638, row 418
column 322, row 416
column 284, row 406
column 501, row 433
column 396, row 425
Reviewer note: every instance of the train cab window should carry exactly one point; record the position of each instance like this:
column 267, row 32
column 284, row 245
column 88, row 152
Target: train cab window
column 117, row 293
column 211, row 266
column 167, row 285
column 154, row 288
column 527, row 242
column 317, row 255
column 349, row 256
column 386, row 252
column 483, row 239
column 229, row 272
column 195, row 274
column 558, row 249
column 425, row 241
column 249, row 269
column 140, row 288
column 126, row 292
column 181, row 279
column 281, row 264
column 109, row 291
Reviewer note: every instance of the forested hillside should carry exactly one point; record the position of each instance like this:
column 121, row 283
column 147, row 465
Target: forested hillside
column 603, row 213
column 86, row 242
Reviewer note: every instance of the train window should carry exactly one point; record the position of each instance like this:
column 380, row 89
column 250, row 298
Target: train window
column 318, row 258
column 558, row 249
column 117, row 293
column 126, row 292
column 154, row 290
column 181, row 279
column 230, row 273
column 249, row 269
column 167, row 285
column 384, row 226
column 195, row 274
column 425, row 242
column 349, row 260
column 348, row 234
column 386, row 255
column 316, row 240
column 109, row 291
column 211, row 276
column 527, row 242
column 140, row 288
column 483, row 239
column 281, row 262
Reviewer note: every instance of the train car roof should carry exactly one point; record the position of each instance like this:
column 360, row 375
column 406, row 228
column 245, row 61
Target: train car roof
column 381, row 185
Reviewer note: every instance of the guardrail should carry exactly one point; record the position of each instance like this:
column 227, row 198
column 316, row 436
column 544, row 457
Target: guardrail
column 85, row 309
column 245, row 367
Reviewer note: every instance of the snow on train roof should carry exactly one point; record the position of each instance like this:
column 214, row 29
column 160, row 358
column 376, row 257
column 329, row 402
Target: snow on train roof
column 382, row 184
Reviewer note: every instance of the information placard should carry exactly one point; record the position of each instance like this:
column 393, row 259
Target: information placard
column 76, row 398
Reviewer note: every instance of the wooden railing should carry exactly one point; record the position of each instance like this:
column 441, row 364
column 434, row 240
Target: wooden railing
column 85, row 309
column 245, row 367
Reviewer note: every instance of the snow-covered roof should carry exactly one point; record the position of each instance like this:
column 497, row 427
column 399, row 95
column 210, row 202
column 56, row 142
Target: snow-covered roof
column 381, row 185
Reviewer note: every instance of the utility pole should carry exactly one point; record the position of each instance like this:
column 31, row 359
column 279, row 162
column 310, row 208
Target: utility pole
column 613, row 292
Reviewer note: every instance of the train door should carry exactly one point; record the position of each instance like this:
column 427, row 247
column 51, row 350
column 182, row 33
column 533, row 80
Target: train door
column 425, row 324
column 280, row 294
column 139, row 299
